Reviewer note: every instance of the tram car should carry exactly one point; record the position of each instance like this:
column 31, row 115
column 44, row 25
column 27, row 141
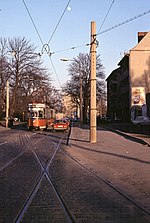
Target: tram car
column 40, row 116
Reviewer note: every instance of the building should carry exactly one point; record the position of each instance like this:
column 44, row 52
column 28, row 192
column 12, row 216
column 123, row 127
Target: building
column 113, row 88
column 68, row 108
column 118, row 91
column 128, row 86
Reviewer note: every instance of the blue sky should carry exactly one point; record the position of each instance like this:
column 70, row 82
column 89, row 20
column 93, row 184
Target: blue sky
column 74, row 28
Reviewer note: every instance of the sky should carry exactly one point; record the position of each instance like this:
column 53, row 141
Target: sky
column 74, row 29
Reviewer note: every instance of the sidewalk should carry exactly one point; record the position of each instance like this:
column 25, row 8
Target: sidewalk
column 2, row 128
column 120, row 158
column 139, row 138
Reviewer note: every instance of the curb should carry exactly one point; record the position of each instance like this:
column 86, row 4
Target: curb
column 132, row 138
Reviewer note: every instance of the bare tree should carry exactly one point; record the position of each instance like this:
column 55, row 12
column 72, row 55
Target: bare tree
column 26, row 73
column 29, row 79
column 4, row 74
column 80, row 68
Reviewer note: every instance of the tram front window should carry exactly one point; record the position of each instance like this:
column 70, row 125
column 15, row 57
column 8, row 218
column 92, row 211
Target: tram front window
column 41, row 114
column 37, row 114
column 33, row 114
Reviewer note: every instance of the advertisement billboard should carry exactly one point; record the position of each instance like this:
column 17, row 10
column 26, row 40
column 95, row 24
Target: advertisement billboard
column 138, row 96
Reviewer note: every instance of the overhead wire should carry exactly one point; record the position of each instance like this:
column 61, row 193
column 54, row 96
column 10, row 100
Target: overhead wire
column 59, row 21
column 45, row 47
column 106, row 15
column 54, row 70
column 33, row 22
column 71, row 48
column 124, row 22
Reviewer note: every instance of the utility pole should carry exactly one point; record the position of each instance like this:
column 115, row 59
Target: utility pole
column 81, row 103
column 93, row 84
column 7, row 103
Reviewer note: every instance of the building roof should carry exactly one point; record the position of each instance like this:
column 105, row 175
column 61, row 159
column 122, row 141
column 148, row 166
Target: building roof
column 117, row 70
column 124, row 59
column 144, row 42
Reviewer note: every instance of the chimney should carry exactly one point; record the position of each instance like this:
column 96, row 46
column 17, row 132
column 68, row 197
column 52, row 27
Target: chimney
column 141, row 35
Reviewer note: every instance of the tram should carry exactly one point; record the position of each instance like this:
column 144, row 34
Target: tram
column 40, row 116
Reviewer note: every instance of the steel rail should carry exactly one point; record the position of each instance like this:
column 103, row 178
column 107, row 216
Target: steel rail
column 69, row 217
column 15, row 158
column 2, row 143
column 109, row 184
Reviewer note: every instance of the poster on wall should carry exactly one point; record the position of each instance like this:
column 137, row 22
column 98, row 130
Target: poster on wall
column 138, row 96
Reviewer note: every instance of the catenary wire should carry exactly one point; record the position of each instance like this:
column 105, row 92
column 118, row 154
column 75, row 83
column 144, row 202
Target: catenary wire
column 106, row 16
column 116, row 26
column 54, row 70
column 59, row 21
column 124, row 22
column 120, row 24
column 33, row 22
column 45, row 47
column 71, row 48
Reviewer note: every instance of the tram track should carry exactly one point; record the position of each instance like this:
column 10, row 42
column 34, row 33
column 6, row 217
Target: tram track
column 44, row 172
column 21, row 141
column 21, row 144
column 2, row 143
column 32, row 146
column 46, row 151
column 108, row 183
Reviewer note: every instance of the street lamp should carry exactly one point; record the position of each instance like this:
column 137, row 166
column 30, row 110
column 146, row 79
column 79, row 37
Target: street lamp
column 7, row 94
column 81, row 98
column 13, row 53
column 7, row 103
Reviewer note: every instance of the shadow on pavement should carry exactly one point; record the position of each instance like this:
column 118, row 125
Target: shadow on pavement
column 108, row 153
column 131, row 138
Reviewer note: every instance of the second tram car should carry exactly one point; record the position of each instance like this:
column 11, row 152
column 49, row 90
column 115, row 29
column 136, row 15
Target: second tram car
column 40, row 116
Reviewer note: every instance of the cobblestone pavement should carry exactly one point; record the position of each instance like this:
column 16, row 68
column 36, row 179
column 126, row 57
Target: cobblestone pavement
column 16, row 182
column 27, row 157
column 121, row 160
column 24, row 158
column 45, row 206
column 90, row 199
